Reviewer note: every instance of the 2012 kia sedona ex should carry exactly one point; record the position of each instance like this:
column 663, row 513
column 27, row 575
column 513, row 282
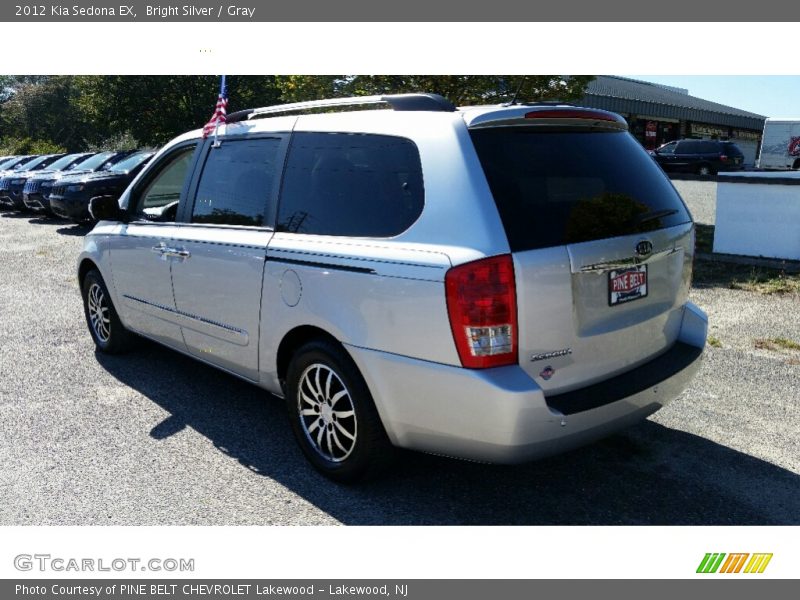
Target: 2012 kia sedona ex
column 494, row 283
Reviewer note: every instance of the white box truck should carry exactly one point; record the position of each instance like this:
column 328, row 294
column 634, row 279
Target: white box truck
column 780, row 144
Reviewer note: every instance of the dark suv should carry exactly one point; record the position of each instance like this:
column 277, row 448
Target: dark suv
column 11, row 183
column 36, row 193
column 704, row 157
column 70, row 196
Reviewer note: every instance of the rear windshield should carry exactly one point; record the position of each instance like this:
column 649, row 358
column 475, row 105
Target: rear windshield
column 563, row 187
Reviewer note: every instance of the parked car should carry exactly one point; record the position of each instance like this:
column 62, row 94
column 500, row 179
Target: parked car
column 69, row 196
column 495, row 283
column 15, row 162
column 19, row 182
column 12, row 183
column 704, row 157
column 37, row 189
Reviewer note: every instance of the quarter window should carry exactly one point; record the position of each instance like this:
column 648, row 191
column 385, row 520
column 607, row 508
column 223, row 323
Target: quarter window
column 236, row 182
column 351, row 185
column 667, row 148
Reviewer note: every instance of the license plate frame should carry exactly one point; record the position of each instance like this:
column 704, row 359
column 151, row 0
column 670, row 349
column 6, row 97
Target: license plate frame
column 628, row 284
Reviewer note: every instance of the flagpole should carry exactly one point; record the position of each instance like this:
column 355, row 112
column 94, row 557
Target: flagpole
column 216, row 125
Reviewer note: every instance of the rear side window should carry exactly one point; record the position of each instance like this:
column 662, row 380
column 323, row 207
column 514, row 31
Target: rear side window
column 351, row 185
column 708, row 148
column 563, row 187
column 732, row 149
column 236, row 182
column 688, row 148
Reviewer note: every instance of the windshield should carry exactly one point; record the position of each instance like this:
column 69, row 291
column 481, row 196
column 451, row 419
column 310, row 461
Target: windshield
column 93, row 162
column 8, row 163
column 33, row 163
column 63, row 162
column 23, row 164
column 133, row 161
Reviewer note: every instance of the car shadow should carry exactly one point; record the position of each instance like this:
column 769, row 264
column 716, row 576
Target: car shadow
column 46, row 219
column 75, row 229
column 12, row 213
column 650, row 474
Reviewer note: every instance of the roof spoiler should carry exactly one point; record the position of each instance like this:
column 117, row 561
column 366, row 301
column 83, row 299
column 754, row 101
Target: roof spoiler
column 399, row 102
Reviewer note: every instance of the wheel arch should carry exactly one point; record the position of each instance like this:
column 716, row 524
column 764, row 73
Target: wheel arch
column 86, row 265
column 294, row 339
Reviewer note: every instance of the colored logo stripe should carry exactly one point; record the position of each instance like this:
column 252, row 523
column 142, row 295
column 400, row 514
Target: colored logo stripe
column 733, row 564
column 710, row 563
column 758, row 563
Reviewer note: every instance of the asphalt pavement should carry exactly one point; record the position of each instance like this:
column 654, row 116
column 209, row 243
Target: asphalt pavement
column 155, row 438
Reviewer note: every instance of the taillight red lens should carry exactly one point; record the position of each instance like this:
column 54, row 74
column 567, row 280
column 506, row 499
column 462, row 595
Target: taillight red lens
column 723, row 157
column 482, row 306
column 570, row 114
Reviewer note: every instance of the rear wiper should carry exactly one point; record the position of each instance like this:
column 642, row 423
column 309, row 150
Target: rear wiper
column 657, row 214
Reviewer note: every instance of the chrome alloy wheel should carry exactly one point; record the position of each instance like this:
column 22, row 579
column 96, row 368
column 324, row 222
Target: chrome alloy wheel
column 98, row 313
column 327, row 413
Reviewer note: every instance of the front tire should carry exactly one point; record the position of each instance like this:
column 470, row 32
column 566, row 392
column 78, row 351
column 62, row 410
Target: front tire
column 108, row 332
column 705, row 170
column 333, row 416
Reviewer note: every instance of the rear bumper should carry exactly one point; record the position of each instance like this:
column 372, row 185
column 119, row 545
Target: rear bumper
column 501, row 415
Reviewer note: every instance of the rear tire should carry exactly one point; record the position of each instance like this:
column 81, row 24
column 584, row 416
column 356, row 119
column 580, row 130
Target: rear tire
column 333, row 416
column 108, row 332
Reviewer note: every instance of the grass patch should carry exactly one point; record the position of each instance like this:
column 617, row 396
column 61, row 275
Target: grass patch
column 768, row 281
column 775, row 344
column 709, row 273
column 714, row 342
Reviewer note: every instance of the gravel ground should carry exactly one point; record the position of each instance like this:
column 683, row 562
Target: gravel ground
column 154, row 438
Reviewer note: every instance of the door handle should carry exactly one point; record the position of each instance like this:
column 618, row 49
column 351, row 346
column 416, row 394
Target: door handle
column 165, row 251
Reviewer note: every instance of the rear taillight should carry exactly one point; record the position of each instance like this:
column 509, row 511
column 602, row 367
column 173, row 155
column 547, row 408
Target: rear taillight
column 570, row 114
column 482, row 306
column 723, row 157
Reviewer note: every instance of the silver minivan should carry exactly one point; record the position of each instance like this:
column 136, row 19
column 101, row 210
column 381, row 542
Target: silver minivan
column 494, row 283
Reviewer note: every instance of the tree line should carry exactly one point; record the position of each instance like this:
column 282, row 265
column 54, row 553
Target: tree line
column 72, row 113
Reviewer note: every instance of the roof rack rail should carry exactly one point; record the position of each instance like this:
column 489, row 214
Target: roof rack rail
column 401, row 102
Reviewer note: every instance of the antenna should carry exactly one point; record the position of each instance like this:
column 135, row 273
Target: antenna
column 519, row 89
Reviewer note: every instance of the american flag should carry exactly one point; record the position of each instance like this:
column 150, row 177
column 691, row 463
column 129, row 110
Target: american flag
column 219, row 112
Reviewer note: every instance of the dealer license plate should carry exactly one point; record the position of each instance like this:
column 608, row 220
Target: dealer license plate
column 625, row 285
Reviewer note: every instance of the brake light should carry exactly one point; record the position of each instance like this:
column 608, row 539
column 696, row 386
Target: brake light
column 482, row 306
column 723, row 157
column 593, row 115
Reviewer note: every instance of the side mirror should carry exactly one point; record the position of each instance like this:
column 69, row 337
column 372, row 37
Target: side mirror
column 106, row 208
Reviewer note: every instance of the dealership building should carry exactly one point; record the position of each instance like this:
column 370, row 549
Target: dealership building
column 657, row 114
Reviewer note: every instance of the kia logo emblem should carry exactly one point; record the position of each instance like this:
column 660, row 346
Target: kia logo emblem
column 644, row 248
